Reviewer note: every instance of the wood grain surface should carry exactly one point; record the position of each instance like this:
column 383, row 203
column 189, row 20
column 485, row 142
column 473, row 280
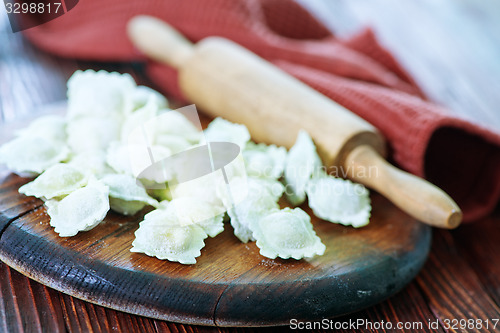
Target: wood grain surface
column 452, row 47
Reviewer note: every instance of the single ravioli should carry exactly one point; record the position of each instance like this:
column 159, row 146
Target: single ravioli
column 81, row 210
column 287, row 234
column 28, row 154
column 100, row 94
column 203, row 188
column 93, row 133
column 127, row 197
column 340, row 201
column 172, row 122
column 264, row 161
column 134, row 159
column 160, row 235
column 301, row 164
column 251, row 187
column 52, row 127
column 143, row 94
column 59, row 180
column 221, row 130
column 262, row 197
column 135, row 124
column 175, row 143
column 194, row 210
column 93, row 162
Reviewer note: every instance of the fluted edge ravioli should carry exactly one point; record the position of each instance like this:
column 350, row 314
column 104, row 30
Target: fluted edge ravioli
column 287, row 233
column 221, row 130
column 301, row 164
column 265, row 161
column 174, row 123
column 194, row 210
column 100, row 94
column 32, row 154
column 81, row 210
column 59, row 180
column 51, row 127
column 115, row 131
column 160, row 235
column 262, row 198
column 126, row 195
column 339, row 201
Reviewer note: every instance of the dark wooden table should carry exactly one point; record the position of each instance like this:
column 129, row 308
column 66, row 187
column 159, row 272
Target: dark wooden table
column 452, row 48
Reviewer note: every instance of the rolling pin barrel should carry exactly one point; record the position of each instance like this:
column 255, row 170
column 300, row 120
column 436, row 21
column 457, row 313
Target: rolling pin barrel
column 224, row 79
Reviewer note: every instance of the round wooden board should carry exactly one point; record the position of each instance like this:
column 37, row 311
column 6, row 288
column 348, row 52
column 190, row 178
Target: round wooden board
column 231, row 284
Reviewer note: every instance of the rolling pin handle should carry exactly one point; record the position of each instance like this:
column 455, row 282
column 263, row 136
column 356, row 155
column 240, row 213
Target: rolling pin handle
column 159, row 40
column 416, row 196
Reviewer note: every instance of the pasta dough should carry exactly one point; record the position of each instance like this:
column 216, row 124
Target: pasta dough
column 143, row 94
column 51, row 127
column 81, row 210
column 133, row 159
column 302, row 162
column 100, row 94
column 119, row 139
column 93, row 162
column 172, row 122
column 126, row 195
column 32, row 154
column 193, row 210
column 262, row 198
column 287, row 234
column 264, row 161
column 340, row 201
column 57, row 181
column 221, row 130
column 161, row 235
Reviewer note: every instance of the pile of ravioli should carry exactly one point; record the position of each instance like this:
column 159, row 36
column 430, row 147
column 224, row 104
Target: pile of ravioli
column 82, row 171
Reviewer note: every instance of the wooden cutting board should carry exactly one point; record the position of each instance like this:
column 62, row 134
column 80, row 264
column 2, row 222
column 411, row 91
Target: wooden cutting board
column 231, row 284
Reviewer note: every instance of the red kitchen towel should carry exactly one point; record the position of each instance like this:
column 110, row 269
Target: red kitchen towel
column 460, row 157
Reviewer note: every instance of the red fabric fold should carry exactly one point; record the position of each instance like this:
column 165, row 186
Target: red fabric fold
column 425, row 139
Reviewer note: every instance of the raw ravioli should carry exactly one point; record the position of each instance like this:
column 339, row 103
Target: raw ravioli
column 251, row 187
column 136, row 124
column 32, row 154
column 262, row 198
column 93, row 162
column 160, row 235
column 142, row 95
column 93, row 133
column 264, row 161
column 221, row 130
column 126, row 195
column 57, row 181
column 204, row 188
column 287, row 234
column 192, row 210
column 340, row 201
column 134, row 159
column 99, row 94
column 50, row 127
column 81, row 210
column 118, row 132
column 175, row 143
column 302, row 162
column 172, row 122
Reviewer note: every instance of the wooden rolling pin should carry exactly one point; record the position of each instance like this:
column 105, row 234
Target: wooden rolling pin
column 225, row 79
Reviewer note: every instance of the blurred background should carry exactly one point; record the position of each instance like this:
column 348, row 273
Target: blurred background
column 450, row 47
